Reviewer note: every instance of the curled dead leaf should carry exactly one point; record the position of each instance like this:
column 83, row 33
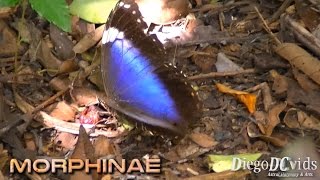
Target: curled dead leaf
column 295, row 118
column 301, row 59
column 89, row 40
column 267, row 121
column 276, row 139
column 48, row 59
column 305, row 83
column 203, row 140
column 273, row 117
column 63, row 111
column 84, row 96
column 261, row 119
column 280, row 83
column 84, row 150
column 60, row 83
column 246, row 98
column 104, row 147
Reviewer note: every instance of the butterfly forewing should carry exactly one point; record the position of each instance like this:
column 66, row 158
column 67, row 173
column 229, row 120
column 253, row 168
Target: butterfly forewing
column 135, row 76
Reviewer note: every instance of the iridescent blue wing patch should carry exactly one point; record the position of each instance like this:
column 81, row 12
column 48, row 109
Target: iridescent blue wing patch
column 137, row 81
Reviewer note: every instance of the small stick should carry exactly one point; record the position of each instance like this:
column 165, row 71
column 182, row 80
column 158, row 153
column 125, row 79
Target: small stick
column 266, row 27
column 282, row 8
column 71, row 127
column 303, row 35
column 220, row 38
column 221, row 21
column 220, row 74
column 49, row 101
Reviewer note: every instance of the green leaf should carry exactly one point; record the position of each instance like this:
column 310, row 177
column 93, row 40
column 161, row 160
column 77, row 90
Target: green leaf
column 95, row 11
column 8, row 3
column 219, row 163
column 55, row 11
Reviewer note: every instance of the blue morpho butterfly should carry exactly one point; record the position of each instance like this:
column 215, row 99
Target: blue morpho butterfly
column 137, row 81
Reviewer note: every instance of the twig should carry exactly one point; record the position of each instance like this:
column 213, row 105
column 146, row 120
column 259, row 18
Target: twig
column 49, row 101
column 221, row 21
column 73, row 128
column 215, row 39
column 221, row 74
column 304, row 36
column 266, row 27
column 282, row 8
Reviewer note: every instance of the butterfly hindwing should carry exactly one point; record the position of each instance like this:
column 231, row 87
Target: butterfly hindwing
column 135, row 75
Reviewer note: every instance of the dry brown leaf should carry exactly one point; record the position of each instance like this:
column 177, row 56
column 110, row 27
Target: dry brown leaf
column 60, row 83
column 300, row 59
column 308, row 14
column 187, row 150
column 310, row 122
column 276, row 139
column 182, row 151
column 47, row 59
column 267, row 97
column 84, row 96
column 83, row 150
column 63, row 111
column 304, row 82
column 253, row 130
column 8, row 43
column 205, row 59
column 29, row 142
column 261, row 118
column 68, row 66
column 280, row 83
column 225, row 64
column 89, row 40
column 295, row 118
column 203, row 140
column 273, row 117
column 248, row 99
column 103, row 147
column 172, row 155
column 295, row 94
column 7, row 11
column 66, row 140
column 63, row 45
column 96, row 78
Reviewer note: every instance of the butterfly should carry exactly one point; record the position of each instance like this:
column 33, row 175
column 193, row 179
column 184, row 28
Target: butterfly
column 137, row 80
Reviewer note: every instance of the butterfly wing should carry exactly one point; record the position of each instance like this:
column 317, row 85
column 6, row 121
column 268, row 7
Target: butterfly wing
column 136, row 79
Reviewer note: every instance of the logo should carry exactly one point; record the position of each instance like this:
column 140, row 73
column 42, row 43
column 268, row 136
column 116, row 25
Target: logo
column 278, row 167
column 105, row 166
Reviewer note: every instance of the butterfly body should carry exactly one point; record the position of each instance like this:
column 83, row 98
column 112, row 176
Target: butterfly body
column 137, row 81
